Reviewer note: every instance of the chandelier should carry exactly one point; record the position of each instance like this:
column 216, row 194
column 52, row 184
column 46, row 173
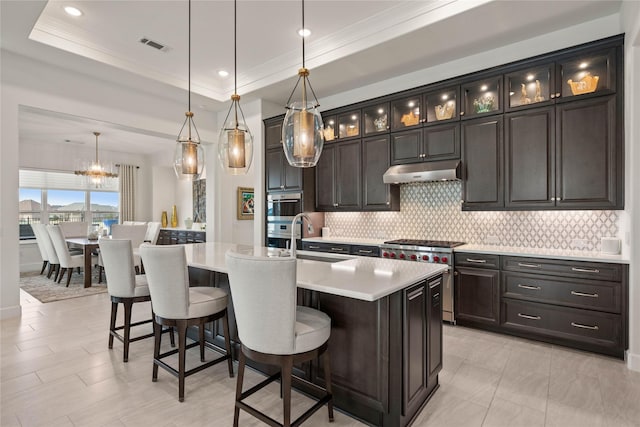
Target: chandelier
column 235, row 144
column 95, row 172
column 302, row 128
column 188, row 159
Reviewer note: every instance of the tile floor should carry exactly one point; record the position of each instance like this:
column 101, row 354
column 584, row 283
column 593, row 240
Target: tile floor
column 56, row 370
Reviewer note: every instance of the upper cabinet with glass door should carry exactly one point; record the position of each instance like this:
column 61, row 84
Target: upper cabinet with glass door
column 532, row 86
column 376, row 118
column 588, row 73
column 329, row 131
column 441, row 105
column 405, row 113
column 482, row 97
column 349, row 124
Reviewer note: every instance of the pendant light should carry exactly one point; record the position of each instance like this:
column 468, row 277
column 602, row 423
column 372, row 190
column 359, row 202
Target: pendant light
column 96, row 172
column 188, row 159
column 302, row 128
column 235, row 143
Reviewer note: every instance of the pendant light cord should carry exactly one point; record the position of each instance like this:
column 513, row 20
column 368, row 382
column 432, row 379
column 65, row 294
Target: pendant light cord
column 235, row 47
column 189, row 61
column 303, row 36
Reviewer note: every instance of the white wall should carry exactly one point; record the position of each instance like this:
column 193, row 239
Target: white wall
column 631, row 21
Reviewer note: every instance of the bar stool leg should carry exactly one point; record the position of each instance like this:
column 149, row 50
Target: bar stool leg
column 182, row 350
column 287, row 371
column 128, row 305
column 112, row 324
column 201, row 337
column 327, row 381
column 157, row 333
column 236, row 410
column 227, row 342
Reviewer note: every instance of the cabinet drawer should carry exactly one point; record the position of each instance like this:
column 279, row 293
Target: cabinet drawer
column 586, row 326
column 372, row 251
column 567, row 268
column 337, row 248
column 477, row 260
column 604, row 296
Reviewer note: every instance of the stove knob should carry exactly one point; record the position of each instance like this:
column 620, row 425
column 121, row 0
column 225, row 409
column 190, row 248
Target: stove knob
column 414, row 257
column 385, row 254
column 436, row 258
column 445, row 259
column 425, row 257
column 402, row 256
column 393, row 255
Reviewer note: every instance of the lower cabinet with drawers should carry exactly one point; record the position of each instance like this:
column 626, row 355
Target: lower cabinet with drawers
column 342, row 248
column 176, row 237
column 574, row 303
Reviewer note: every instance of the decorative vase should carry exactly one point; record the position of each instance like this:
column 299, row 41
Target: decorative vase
column 188, row 223
column 164, row 219
column 174, row 217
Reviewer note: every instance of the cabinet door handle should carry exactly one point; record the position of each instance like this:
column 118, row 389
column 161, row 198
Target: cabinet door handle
column 524, row 264
column 462, row 113
column 582, row 294
column 415, row 294
column 335, row 205
column 585, row 270
column 558, row 94
column 581, row 326
column 553, row 95
column 527, row 316
column 362, row 251
column 477, row 261
column 337, row 249
column 313, row 247
column 535, row 288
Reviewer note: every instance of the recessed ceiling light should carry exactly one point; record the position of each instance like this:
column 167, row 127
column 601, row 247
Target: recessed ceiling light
column 73, row 11
column 223, row 73
column 304, row 32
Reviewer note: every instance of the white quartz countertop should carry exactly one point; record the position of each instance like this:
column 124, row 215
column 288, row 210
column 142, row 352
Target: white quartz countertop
column 542, row 253
column 346, row 240
column 181, row 229
column 363, row 278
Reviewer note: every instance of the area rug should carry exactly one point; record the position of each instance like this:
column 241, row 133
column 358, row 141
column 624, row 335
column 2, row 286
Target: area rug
column 46, row 290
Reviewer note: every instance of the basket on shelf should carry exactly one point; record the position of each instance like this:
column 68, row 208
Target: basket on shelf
column 445, row 111
column 586, row 84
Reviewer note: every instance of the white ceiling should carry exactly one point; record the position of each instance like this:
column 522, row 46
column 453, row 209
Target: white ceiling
column 353, row 43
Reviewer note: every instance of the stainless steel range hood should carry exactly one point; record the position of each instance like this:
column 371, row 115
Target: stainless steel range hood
column 446, row 170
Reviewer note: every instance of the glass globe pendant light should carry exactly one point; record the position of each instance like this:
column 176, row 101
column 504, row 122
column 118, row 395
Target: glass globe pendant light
column 302, row 128
column 235, row 143
column 188, row 158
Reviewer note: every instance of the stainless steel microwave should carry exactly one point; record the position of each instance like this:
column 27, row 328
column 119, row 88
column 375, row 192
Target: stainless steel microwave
column 283, row 207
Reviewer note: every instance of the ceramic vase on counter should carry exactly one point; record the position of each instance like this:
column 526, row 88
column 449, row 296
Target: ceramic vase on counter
column 164, row 219
column 188, row 223
column 174, row 217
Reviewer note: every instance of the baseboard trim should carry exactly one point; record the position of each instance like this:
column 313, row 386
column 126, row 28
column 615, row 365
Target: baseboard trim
column 8, row 312
column 633, row 361
column 30, row 267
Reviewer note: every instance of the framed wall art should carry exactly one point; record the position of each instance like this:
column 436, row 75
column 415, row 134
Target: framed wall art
column 245, row 203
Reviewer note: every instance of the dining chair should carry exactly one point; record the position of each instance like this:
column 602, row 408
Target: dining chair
column 153, row 231
column 74, row 228
column 54, row 262
column 274, row 330
column 136, row 234
column 175, row 304
column 41, row 245
column 126, row 288
column 67, row 261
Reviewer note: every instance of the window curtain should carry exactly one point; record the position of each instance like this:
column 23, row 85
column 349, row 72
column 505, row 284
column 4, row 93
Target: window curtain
column 127, row 176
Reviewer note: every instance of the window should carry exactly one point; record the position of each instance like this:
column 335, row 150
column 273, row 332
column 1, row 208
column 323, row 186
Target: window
column 53, row 197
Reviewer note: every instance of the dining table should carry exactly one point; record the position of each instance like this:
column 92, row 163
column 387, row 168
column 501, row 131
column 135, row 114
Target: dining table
column 88, row 246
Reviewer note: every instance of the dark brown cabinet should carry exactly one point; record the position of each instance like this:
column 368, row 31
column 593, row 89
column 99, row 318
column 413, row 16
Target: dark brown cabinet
column 434, row 333
column 415, row 357
column 338, row 177
column 530, row 159
column 482, row 157
column 589, row 158
column 376, row 195
column 281, row 176
column 478, row 295
column 177, row 237
column 440, row 142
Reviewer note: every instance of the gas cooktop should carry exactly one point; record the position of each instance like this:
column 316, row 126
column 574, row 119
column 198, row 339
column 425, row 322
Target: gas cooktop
column 425, row 243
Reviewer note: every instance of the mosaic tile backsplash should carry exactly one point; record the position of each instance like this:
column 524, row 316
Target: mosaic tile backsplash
column 433, row 211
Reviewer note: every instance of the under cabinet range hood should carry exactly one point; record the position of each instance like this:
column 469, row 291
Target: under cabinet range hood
column 445, row 170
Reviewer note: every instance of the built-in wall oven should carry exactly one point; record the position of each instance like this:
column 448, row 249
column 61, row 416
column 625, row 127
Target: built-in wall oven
column 433, row 251
column 281, row 209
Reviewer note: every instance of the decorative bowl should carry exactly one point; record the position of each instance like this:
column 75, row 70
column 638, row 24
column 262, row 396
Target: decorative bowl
column 444, row 111
column 587, row 84
column 409, row 119
column 484, row 104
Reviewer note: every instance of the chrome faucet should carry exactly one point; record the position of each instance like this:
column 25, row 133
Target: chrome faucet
column 301, row 216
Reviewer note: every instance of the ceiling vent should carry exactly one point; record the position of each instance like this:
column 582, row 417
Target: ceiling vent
column 154, row 44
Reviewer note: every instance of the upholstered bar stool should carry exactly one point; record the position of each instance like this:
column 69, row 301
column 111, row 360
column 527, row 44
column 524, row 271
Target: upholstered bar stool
column 275, row 331
column 126, row 288
column 177, row 305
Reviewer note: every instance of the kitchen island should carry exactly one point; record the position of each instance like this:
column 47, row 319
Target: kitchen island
column 386, row 327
